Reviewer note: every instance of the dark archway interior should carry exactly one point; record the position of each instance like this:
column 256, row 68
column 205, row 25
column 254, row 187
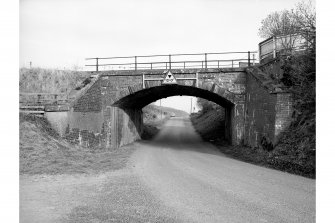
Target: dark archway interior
column 144, row 97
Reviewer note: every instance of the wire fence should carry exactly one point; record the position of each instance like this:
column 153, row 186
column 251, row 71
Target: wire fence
column 42, row 98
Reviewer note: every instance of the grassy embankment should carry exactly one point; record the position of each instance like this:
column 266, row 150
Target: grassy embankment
column 43, row 151
column 39, row 80
column 210, row 125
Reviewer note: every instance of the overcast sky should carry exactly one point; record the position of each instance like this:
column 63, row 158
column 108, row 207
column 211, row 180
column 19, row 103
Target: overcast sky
column 61, row 33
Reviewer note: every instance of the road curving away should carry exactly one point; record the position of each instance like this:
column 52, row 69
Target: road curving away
column 176, row 177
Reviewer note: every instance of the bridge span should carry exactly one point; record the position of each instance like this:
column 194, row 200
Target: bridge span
column 106, row 110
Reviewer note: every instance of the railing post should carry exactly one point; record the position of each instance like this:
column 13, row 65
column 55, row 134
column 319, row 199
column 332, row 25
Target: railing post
column 97, row 64
column 143, row 81
column 150, row 66
column 56, row 99
column 184, row 65
column 253, row 59
column 166, row 66
column 232, row 63
column 135, row 62
column 248, row 58
column 206, row 60
column 170, row 61
column 218, row 63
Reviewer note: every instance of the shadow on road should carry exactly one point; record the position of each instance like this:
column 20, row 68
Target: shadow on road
column 179, row 134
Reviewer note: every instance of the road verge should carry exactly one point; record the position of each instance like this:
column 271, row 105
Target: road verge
column 210, row 126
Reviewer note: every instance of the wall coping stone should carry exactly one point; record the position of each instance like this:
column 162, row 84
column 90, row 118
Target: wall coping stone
column 75, row 95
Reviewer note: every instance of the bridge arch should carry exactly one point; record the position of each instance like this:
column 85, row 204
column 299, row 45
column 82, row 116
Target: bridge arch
column 110, row 106
column 225, row 87
column 146, row 96
column 138, row 100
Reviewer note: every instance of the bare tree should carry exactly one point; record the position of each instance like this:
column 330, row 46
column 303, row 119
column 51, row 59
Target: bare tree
column 301, row 20
column 278, row 23
column 305, row 18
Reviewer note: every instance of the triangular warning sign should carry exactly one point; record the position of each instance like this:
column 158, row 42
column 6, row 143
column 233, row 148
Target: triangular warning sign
column 169, row 79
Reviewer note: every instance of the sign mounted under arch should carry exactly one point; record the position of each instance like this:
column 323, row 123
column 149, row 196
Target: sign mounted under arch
column 190, row 79
column 169, row 78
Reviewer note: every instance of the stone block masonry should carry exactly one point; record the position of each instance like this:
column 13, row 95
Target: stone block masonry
column 260, row 113
column 268, row 112
column 228, row 84
column 94, row 122
column 283, row 113
column 91, row 100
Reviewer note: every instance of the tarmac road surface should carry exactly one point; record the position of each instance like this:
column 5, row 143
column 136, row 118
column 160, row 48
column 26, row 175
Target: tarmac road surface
column 202, row 185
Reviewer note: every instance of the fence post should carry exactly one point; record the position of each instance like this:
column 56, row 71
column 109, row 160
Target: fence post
column 260, row 56
column 218, row 63
column 135, row 62
column 170, row 61
column 248, row 58
column 150, row 66
column 38, row 99
column 274, row 41
column 232, row 63
column 206, row 60
column 97, row 64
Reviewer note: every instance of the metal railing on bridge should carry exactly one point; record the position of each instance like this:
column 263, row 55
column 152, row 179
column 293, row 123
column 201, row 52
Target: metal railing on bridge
column 175, row 61
column 282, row 44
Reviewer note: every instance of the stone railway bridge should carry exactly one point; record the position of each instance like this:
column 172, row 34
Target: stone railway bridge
column 106, row 111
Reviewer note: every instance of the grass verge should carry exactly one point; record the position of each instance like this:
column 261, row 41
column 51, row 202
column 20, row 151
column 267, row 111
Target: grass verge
column 210, row 126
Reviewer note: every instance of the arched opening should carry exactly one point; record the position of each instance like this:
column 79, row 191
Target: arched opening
column 146, row 96
column 136, row 101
